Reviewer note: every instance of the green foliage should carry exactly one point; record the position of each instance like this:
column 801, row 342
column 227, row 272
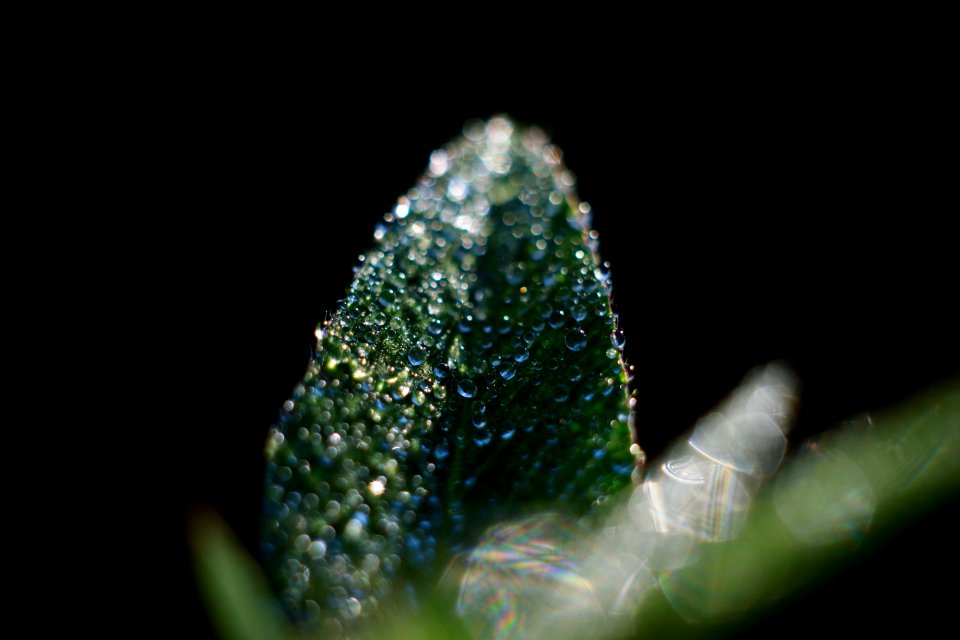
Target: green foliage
column 472, row 373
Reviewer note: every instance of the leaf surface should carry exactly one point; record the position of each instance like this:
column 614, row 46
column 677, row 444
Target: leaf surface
column 472, row 373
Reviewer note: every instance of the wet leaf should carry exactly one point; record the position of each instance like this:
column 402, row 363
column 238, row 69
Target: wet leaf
column 472, row 373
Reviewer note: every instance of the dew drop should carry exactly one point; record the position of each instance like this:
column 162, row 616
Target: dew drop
column 508, row 371
column 317, row 549
column 387, row 297
column 354, row 528
column 302, row 542
column 333, row 509
column 579, row 313
column 556, row 319
column 521, row 354
column 576, row 340
column 618, row 339
column 417, row 355
column 353, row 607
column 467, row 388
column 435, row 326
column 561, row 392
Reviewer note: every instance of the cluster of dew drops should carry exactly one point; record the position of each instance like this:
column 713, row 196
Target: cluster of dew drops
column 484, row 281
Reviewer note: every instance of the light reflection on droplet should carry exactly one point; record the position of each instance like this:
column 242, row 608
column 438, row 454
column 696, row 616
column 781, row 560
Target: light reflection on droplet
column 576, row 339
column 353, row 607
column 417, row 355
column 467, row 388
column 317, row 549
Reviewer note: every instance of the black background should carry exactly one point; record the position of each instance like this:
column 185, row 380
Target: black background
column 789, row 215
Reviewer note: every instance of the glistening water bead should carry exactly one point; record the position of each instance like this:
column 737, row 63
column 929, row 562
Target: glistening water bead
column 417, row 355
column 463, row 378
column 576, row 340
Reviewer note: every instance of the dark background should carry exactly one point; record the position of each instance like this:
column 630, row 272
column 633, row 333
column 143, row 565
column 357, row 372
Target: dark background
column 793, row 216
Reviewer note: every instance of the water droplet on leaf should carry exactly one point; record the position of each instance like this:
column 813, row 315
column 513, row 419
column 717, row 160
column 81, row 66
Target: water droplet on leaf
column 467, row 388
column 576, row 340
column 417, row 355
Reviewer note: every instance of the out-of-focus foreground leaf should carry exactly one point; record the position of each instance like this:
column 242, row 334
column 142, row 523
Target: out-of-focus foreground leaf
column 238, row 599
column 848, row 491
column 472, row 373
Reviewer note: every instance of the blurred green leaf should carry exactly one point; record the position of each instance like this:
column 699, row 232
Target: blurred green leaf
column 239, row 601
column 857, row 486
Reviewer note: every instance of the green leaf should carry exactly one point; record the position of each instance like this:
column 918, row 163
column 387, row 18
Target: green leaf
column 851, row 491
column 472, row 373
column 239, row 600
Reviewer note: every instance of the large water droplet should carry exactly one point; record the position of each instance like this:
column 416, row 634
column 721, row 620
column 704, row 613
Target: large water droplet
column 317, row 549
column 353, row 607
column 576, row 340
column 556, row 319
column 508, row 371
column 435, row 326
column 387, row 296
column 618, row 339
column 417, row 355
column 467, row 388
